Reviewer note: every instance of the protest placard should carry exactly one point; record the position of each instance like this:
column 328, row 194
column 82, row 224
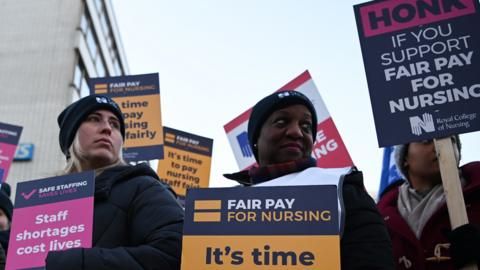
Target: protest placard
column 139, row 99
column 50, row 214
column 9, row 137
column 262, row 228
column 329, row 149
column 421, row 60
column 187, row 161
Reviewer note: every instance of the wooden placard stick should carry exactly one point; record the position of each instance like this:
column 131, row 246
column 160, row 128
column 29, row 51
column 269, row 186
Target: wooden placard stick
column 452, row 186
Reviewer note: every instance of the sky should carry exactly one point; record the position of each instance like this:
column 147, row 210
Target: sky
column 217, row 58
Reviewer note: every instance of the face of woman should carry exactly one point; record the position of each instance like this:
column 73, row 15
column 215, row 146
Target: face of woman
column 4, row 223
column 99, row 140
column 422, row 164
column 421, row 160
column 286, row 136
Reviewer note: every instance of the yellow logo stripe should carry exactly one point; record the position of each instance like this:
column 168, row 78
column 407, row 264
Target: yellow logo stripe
column 101, row 85
column 208, row 205
column 206, row 217
column 101, row 91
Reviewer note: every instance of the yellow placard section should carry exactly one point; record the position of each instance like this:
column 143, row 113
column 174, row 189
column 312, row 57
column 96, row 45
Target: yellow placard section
column 182, row 169
column 206, row 217
column 261, row 252
column 207, row 205
column 143, row 125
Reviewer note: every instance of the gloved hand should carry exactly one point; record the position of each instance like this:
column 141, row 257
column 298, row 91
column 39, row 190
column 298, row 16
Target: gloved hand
column 464, row 245
column 71, row 259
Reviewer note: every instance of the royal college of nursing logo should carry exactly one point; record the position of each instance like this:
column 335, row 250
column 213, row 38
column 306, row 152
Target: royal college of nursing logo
column 425, row 123
column 244, row 144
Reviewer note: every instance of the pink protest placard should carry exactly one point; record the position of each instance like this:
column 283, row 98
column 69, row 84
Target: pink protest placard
column 9, row 136
column 50, row 214
column 329, row 149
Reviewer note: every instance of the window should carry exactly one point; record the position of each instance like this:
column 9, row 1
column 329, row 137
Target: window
column 77, row 76
column 84, row 90
column 99, row 4
column 90, row 36
column 84, row 23
column 91, row 44
column 104, row 23
column 116, row 67
column 80, row 78
column 75, row 96
column 108, row 35
column 100, row 67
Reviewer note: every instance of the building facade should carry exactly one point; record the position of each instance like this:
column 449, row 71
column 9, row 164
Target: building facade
column 48, row 51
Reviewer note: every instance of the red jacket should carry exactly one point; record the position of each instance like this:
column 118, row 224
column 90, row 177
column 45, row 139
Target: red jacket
column 431, row 250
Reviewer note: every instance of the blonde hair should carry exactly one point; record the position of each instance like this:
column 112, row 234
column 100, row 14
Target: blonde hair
column 74, row 162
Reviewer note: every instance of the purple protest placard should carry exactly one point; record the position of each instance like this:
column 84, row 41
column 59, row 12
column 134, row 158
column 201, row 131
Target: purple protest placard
column 50, row 214
column 421, row 59
column 9, row 136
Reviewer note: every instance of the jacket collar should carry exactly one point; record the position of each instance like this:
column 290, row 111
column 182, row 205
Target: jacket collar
column 108, row 178
column 471, row 173
column 388, row 201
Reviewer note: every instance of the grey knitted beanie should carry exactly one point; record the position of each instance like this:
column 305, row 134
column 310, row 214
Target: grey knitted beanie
column 401, row 153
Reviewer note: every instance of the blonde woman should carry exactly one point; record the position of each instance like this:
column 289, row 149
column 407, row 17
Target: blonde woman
column 137, row 222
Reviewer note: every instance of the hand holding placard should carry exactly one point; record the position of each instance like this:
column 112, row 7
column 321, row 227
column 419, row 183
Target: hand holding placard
column 451, row 185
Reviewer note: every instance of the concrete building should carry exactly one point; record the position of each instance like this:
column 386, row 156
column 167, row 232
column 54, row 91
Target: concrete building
column 48, row 50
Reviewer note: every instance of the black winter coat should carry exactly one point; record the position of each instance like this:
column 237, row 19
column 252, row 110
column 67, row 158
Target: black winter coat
column 3, row 258
column 364, row 243
column 137, row 224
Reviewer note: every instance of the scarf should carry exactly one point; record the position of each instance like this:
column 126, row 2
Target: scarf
column 417, row 208
column 265, row 173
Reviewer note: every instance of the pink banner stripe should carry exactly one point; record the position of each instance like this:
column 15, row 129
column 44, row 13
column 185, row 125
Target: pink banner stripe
column 237, row 121
column 295, row 83
column 402, row 8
